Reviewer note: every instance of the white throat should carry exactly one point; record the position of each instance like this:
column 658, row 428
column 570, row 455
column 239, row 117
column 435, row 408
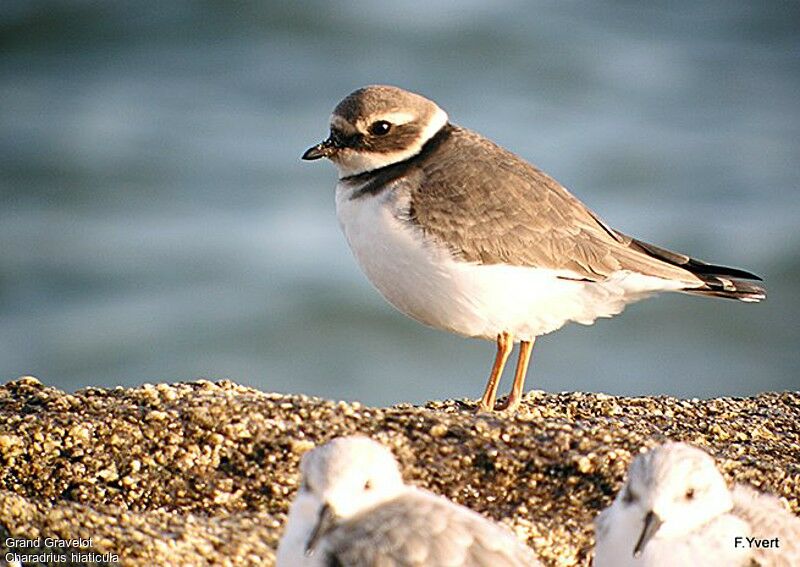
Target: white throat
column 352, row 163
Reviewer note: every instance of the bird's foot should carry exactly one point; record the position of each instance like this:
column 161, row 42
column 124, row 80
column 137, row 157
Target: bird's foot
column 509, row 405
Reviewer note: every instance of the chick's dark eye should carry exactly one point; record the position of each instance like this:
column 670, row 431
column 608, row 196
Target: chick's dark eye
column 380, row 128
column 368, row 485
column 690, row 494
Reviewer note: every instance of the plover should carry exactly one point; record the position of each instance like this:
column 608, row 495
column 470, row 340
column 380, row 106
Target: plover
column 353, row 509
column 676, row 509
column 463, row 235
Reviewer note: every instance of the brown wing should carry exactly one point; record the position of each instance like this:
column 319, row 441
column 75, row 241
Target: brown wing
column 490, row 206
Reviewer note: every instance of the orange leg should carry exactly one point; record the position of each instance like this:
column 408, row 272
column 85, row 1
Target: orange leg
column 505, row 343
column 514, row 398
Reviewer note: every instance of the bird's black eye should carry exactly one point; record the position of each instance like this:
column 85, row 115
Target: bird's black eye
column 380, row 128
column 368, row 485
column 690, row 494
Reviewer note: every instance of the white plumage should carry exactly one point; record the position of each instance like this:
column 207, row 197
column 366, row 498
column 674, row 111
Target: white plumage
column 355, row 511
column 695, row 518
column 463, row 235
column 423, row 280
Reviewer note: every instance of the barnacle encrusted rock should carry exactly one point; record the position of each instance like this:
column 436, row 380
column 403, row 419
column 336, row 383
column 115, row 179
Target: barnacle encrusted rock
column 203, row 473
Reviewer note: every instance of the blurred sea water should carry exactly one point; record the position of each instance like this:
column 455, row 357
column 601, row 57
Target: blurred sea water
column 156, row 223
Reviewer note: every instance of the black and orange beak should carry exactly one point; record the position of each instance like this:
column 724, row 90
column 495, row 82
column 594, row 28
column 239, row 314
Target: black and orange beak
column 321, row 150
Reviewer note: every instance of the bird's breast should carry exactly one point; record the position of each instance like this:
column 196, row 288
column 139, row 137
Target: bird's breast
column 422, row 278
column 394, row 255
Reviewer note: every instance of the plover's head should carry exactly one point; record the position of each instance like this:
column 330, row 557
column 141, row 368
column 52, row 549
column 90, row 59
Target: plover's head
column 377, row 126
column 346, row 476
column 674, row 488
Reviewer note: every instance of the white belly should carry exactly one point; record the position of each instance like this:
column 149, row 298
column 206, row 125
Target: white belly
column 303, row 516
column 426, row 283
column 709, row 545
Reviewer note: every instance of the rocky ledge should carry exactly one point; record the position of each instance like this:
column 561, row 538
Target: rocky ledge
column 203, row 473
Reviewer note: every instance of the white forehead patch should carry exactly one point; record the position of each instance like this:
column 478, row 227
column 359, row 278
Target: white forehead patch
column 341, row 124
column 352, row 163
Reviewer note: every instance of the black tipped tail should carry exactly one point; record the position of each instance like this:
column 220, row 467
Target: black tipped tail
column 729, row 288
column 719, row 281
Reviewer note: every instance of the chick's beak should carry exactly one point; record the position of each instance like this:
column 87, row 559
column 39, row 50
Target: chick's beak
column 321, row 150
column 326, row 521
column 651, row 524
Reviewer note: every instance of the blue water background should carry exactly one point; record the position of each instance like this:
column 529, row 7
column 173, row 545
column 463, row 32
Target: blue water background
column 156, row 223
